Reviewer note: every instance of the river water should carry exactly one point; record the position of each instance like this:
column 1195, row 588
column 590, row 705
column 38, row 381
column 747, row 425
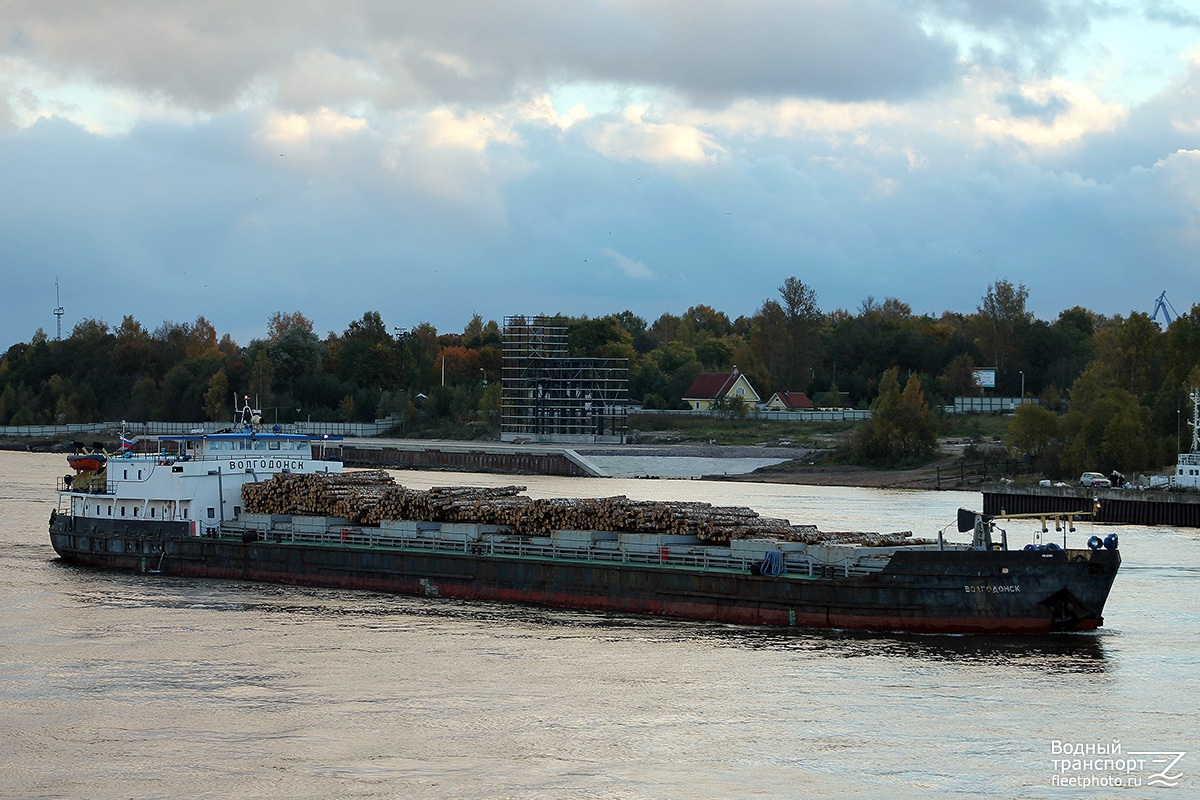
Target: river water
column 138, row 686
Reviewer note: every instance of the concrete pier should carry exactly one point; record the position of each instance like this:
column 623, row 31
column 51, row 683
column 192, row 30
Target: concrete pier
column 1125, row 506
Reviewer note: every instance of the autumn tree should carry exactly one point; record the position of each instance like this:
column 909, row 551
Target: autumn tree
column 217, row 396
column 201, row 338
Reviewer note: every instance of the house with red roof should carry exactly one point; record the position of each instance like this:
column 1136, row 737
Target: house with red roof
column 709, row 387
column 789, row 401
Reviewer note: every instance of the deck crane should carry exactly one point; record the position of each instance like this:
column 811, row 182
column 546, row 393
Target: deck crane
column 1164, row 305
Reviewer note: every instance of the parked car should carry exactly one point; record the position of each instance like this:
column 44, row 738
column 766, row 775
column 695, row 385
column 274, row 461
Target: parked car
column 1094, row 480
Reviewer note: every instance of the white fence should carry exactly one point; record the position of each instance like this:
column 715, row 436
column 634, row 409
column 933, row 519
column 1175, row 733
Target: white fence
column 112, row 429
column 817, row 415
column 988, row 405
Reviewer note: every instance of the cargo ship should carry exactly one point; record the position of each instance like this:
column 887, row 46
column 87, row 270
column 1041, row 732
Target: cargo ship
column 263, row 505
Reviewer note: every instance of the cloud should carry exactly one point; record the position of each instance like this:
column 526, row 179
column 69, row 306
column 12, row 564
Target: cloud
column 431, row 160
column 628, row 266
column 296, row 129
column 633, row 136
column 1171, row 12
column 1049, row 114
column 212, row 57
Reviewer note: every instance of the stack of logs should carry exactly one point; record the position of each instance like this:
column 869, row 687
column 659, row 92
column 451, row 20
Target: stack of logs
column 368, row 497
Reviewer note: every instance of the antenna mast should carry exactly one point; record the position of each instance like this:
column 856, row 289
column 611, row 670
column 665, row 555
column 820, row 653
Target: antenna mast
column 1195, row 423
column 58, row 311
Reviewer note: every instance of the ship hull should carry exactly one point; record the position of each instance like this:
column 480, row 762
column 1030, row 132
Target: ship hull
column 924, row 591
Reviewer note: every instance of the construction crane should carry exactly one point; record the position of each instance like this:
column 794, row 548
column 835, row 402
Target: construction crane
column 1164, row 305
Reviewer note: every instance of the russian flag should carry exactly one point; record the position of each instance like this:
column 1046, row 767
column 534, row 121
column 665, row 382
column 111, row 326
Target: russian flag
column 126, row 443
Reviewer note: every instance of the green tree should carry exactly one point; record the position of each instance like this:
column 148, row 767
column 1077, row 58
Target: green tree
column 1003, row 322
column 785, row 336
column 294, row 350
column 1183, row 348
column 1107, row 428
column 959, row 378
column 590, row 338
column 715, row 354
column 1031, row 429
column 1131, row 351
column 900, row 430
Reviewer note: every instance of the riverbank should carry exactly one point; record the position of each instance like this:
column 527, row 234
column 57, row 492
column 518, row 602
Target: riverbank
column 801, row 474
column 784, row 464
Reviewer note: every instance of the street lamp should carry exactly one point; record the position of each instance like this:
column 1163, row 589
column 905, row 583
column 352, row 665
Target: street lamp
column 1022, row 386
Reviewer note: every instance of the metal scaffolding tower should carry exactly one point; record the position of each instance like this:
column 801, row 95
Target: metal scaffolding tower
column 58, row 311
column 548, row 397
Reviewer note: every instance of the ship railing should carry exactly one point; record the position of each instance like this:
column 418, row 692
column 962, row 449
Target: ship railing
column 811, row 567
column 371, row 537
column 703, row 558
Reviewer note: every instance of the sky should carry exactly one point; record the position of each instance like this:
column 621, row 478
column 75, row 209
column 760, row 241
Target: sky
column 431, row 161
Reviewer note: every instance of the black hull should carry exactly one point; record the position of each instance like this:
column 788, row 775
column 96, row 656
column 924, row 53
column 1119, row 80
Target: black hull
column 924, row 591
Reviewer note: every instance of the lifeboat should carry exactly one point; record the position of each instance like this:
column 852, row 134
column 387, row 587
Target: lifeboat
column 87, row 461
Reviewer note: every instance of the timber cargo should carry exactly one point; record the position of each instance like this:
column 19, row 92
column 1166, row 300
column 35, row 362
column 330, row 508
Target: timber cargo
column 254, row 505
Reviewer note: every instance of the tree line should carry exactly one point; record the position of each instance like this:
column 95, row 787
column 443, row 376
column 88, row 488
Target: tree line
column 1111, row 389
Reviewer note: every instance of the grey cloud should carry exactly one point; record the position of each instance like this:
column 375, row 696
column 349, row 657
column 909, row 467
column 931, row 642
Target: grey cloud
column 200, row 54
column 208, row 55
column 1024, row 107
column 1172, row 13
column 854, row 51
column 1023, row 35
